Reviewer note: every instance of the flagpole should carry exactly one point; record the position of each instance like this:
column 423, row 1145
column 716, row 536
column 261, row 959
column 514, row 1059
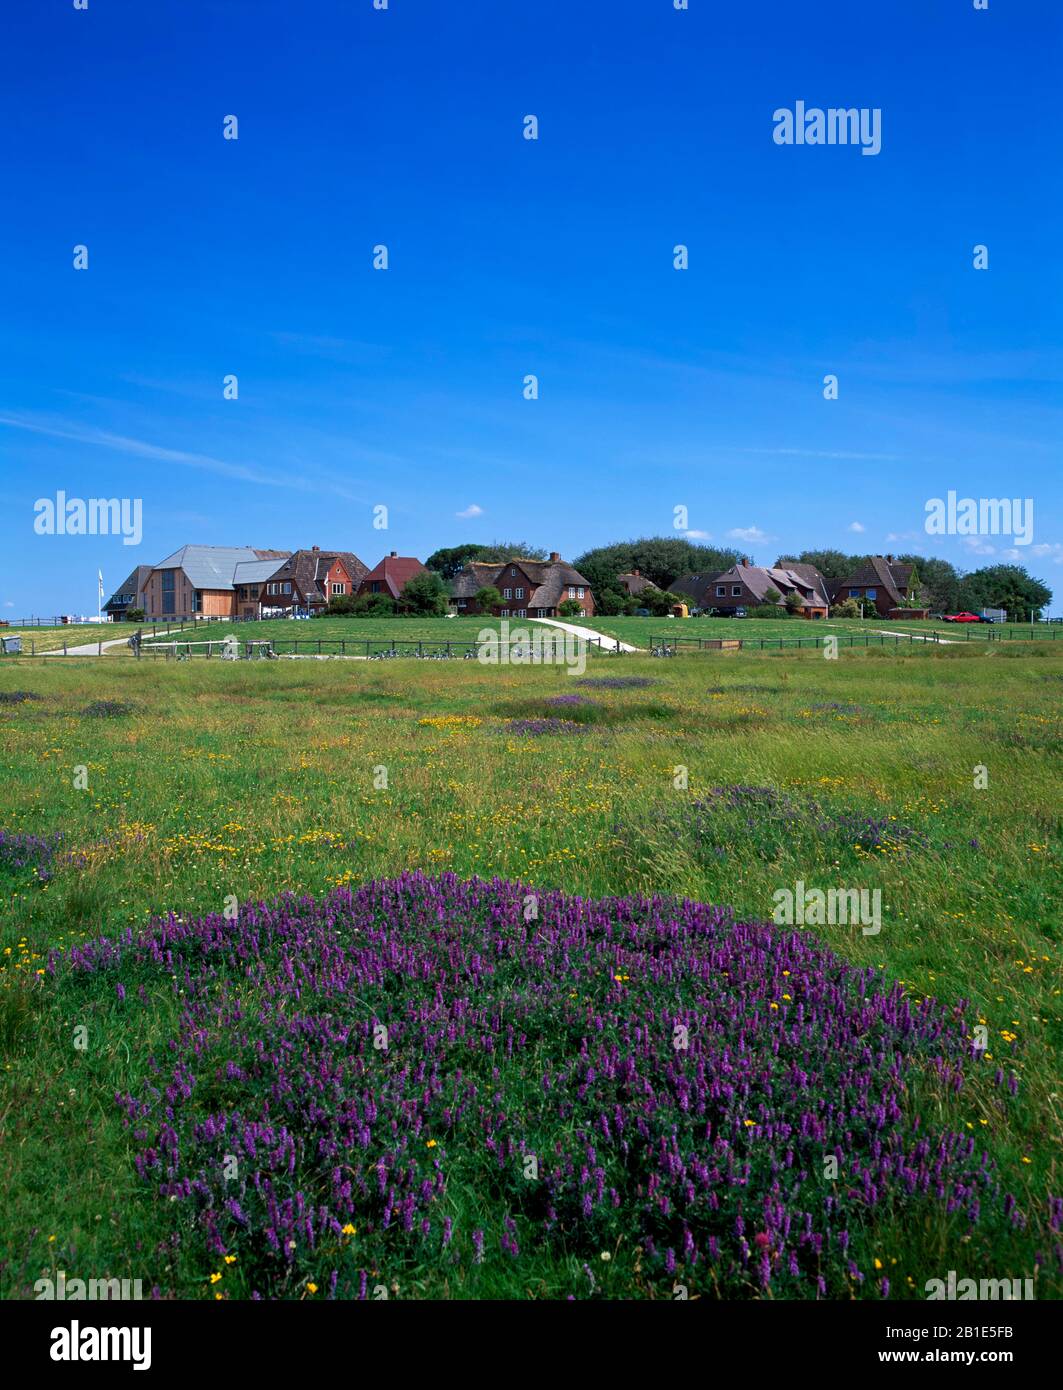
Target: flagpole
column 99, row 596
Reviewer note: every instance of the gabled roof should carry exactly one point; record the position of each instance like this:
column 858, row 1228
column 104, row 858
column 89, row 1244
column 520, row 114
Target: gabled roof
column 134, row 584
column 884, row 573
column 803, row 580
column 213, row 566
column 308, row 569
column 394, row 572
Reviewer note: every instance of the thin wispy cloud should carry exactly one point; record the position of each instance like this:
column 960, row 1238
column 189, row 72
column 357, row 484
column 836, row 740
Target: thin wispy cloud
column 140, row 448
column 469, row 512
column 857, row 526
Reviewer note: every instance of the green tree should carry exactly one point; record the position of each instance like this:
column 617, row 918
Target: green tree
column 449, row 561
column 938, row 581
column 610, row 602
column 487, row 598
column 424, row 594
column 497, row 552
column 1005, row 586
column 368, row 606
column 570, row 608
column 847, row 608
column 662, row 559
column 792, row 602
column 832, row 564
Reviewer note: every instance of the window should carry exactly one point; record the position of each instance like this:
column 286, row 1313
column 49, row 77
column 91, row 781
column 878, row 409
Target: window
column 513, row 571
column 870, row 593
column 519, row 593
column 505, row 612
column 854, row 593
column 197, row 602
column 736, row 590
column 523, row 613
column 507, row 593
column 572, row 591
column 579, row 593
column 288, row 588
column 721, row 591
column 254, row 590
column 339, row 588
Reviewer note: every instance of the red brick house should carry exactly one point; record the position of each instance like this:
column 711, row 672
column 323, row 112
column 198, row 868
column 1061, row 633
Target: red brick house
column 529, row 588
column 893, row 588
column 306, row 582
column 391, row 576
column 750, row 586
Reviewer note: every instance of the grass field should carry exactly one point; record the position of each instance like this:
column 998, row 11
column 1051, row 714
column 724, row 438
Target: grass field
column 213, row 783
column 640, row 632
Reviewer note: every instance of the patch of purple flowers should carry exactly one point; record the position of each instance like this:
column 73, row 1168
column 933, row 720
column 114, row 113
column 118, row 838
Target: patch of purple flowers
column 572, row 700
column 535, row 728
column 679, row 1076
column 775, row 816
column 20, row 850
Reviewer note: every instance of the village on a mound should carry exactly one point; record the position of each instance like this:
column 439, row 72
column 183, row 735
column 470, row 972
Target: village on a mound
column 245, row 583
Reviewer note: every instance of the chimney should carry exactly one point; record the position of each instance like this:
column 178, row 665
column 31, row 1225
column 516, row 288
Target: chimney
column 889, row 559
column 555, row 555
column 394, row 554
column 635, row 573
column 315, row 547
column 745, row 561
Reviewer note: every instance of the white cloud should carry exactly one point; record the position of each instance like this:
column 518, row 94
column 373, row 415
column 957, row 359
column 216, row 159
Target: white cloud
column 752, row 535
column 470, row 511
column 856, row 526
column 8, row 603
column 1043, row 551
column 979, row 546
column 697, row 536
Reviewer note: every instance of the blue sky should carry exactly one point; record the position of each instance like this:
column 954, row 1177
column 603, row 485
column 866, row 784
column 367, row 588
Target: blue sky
column 658, row 388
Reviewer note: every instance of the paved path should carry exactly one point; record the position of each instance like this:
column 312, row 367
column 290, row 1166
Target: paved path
column 89, row 649
column 608, row 644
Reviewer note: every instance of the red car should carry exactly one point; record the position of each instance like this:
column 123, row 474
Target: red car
column 962, row 618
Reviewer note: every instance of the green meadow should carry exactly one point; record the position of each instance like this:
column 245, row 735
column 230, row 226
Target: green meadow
column 177, row 785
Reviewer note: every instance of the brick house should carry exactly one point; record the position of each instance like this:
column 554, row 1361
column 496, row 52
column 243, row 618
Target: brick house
column 529, row 588
column 306, row 582
column 390, row 576
column 892, row 587
column 747, row 586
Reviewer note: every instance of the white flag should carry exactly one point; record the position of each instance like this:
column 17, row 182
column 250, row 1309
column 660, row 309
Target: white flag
column 99, row 576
